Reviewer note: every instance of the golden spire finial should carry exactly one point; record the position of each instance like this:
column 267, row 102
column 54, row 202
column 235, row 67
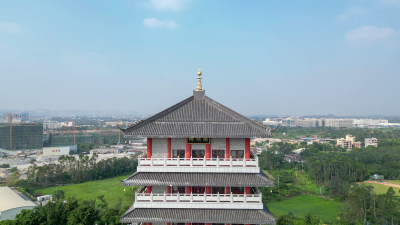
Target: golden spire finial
column 199, row 88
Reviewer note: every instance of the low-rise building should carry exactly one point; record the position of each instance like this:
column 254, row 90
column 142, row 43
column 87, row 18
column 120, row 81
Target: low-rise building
column 12, row 203
column 371, row 142
column 54, row 151
column 357, row 144
column 348, row 143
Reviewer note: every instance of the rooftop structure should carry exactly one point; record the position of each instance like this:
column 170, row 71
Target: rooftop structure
column 12, row 203
column 371, row 142
column 198, row 167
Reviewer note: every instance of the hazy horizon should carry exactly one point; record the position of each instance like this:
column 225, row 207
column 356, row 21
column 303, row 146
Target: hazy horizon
column 258, row 58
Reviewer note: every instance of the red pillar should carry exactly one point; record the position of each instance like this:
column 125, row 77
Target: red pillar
column 208, row 150
column 169, row 148
column 169, row 189
column 228, row 149
column 188, row 189
column 227, row 190
column 149, row 147
column 148, row 189
column 247, row 190
column 247, row 148
column 168, row 223
column 188, row 151
column 208, row 223
column 208, row 190
column 148, row 223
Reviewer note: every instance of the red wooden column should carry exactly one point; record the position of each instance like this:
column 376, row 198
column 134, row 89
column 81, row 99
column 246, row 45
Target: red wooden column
column 169, row 148
column 149, row 147
column 208, row 190
column 228, row 149
column 208, row 150
column 247, row 190
column 208, row 223
column 148, row 189
column 247, row 148
column 188, row 189
column 148, row 223
column 169, row 189
column 227, row 190
column 188, row 151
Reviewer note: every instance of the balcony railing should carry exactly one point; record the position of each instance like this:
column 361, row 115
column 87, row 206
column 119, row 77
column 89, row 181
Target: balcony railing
column 178, row 200
column 215, row 162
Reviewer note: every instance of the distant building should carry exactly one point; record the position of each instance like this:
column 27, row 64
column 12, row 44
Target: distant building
column 12, row 204
column 54, row 151
column 347, row 123
column 51, row 125
column 371, row 142
column 348, row 142
column 21, row 136
column 357, row 144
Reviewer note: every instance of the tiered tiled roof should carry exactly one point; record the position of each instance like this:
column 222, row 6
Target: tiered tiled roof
column 234, row 216
column 198, row 116
column 198, row 179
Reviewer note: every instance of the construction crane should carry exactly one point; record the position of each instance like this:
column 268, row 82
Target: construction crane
column 11, row 118
column 119, row 133
column 74, row 133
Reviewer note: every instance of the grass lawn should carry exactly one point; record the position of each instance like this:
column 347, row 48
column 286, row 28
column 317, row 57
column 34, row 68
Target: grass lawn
column 307, row 185
column 111, row 188
column 394, row 181
column 302, row 181
column 325, row 209
column 382, row 189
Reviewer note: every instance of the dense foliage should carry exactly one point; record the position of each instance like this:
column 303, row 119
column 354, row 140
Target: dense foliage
column 365, row 207
column 77, row 170
column 70, row 212
column 4, row 165
column 353, row 166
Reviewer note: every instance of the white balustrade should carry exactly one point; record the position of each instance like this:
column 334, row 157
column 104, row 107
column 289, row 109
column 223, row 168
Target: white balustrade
column 198, row 198
column 198, row 162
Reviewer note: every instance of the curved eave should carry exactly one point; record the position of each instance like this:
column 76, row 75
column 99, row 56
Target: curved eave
column 198, row 179
column 233, row 216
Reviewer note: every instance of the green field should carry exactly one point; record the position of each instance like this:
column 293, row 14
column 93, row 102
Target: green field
column 325, row 209
column 394, row 181
column 382, row 189
column 111, row 188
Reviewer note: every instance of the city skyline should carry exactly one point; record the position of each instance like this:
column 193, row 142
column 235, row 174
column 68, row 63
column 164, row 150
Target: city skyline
column 274, row 58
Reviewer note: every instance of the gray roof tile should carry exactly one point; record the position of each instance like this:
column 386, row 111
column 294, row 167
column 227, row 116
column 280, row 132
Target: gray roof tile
column 237, row 216
column 198, row 179
column 198, row 116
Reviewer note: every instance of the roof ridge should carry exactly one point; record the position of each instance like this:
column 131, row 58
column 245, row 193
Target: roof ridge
column 162, row 113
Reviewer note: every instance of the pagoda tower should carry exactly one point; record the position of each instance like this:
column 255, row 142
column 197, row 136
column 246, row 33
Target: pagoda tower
column 198, row 168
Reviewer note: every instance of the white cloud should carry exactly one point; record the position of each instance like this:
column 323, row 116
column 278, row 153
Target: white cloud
column 155, row 23
column 350, row 12
column 10, row 28
column 174, row 5
column 369, row 34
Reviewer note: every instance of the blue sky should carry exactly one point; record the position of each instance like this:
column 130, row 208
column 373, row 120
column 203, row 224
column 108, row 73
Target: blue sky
column 258, row 57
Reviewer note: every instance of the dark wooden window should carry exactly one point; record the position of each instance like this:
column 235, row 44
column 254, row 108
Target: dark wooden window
column 198, row 153
column 216, row 190
column 178, row 189
column 237, row 190
column 237, row 154
column 179, row 153
column 218, row 153
column 198, row 190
